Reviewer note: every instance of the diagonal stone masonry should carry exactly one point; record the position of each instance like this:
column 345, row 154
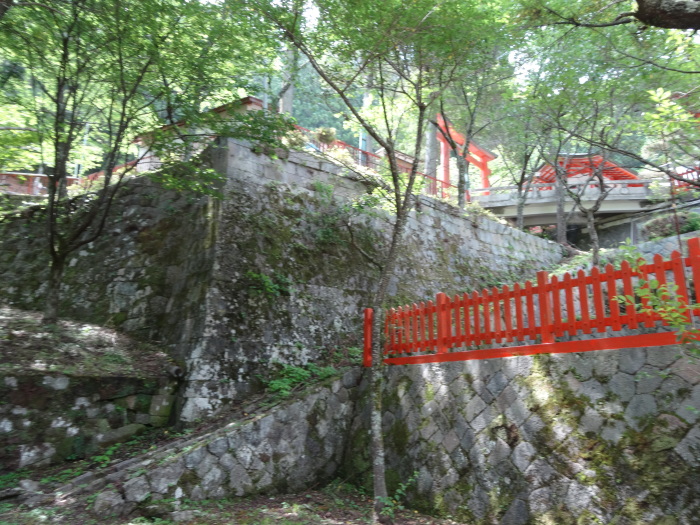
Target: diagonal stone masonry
column 548, row 439
column 288, row 448
column 524, row 440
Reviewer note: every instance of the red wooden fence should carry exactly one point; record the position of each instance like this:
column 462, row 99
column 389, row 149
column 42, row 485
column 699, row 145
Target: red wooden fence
column 532, row 317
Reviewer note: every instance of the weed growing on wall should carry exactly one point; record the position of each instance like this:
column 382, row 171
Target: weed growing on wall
column 289, row 378
column 270, row 286
column 394, row 503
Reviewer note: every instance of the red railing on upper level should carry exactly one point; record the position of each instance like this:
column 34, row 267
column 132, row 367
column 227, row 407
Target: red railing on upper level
column 531, row 317
column 433, row 186
column 690, row 175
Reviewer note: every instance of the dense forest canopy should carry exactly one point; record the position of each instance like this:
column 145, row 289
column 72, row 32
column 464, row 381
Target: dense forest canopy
column 80, row 78
column 528, row 79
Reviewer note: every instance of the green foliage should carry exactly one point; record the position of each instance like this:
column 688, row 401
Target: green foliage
column 269, row 286
column 174, row 145
column 324, row 191
column 391, row 505
column 289, row 377
column 474, row 209
column 626, row 251
column 664, row 300
column 330, row 217
column 665, row 226
column 190, row 178
column 316, row 107
column 325, row 135
column 65, row 475
column 11, row 479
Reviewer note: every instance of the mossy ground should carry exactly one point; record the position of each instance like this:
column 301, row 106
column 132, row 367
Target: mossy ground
column 29, row 347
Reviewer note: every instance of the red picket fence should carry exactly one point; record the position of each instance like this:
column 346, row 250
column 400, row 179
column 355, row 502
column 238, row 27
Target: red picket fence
column 529, row 318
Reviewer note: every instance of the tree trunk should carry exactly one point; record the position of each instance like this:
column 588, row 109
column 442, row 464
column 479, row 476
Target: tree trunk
column 377, row 375
column 51, row 308
column 593, row 233
column 519, row 219
column 561, row 216
column 286, row 97
column 377, row 433
column 673, row 14
column 462, row 173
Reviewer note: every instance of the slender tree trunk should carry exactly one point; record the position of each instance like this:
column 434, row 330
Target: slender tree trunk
column 377, row 432
column 519, row 219
column 561, row 216
column 462, row 186
column 52, row 306
column 377, row 370
column 286, row 96
column 593, row 233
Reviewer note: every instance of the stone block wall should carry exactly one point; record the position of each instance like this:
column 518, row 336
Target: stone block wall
column 294, row 269
column 269, row 275
column 147, row 275
column 49, row 418
column 284, row 449
column 598, row 437
column 666, row 246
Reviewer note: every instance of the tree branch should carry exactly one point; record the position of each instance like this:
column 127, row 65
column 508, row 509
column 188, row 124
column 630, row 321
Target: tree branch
column 364, row 254
column 623, row 18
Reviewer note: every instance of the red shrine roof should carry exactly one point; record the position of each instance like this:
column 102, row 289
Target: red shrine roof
column 583, row 165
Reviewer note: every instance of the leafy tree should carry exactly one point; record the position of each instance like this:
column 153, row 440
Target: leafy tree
column 393, row 53
column 476, row 102
column 119, row 67
column 519, row 151
column 606, row 107
column 316, row 106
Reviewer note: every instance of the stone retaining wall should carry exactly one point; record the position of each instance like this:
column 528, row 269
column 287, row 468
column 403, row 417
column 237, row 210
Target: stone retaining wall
column 285, row 448
column 294, row 270
column 598, row 437
column 49, row 418
column 148, row 274
column 269, row 275
column 666, row 246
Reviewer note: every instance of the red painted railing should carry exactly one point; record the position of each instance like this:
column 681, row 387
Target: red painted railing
column 532, row 317
column 433, row 186
column 690, row 175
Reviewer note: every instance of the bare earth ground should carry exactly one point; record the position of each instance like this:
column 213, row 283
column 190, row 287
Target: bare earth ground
column 79, row 349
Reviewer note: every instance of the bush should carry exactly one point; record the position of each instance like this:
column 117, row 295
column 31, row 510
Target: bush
column 326, row 135
column 666, row 226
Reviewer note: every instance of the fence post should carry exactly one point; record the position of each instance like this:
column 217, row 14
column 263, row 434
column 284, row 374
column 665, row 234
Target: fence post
column 444, row 326
column 694, row 260
column 367, row 353
column 546, row 329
